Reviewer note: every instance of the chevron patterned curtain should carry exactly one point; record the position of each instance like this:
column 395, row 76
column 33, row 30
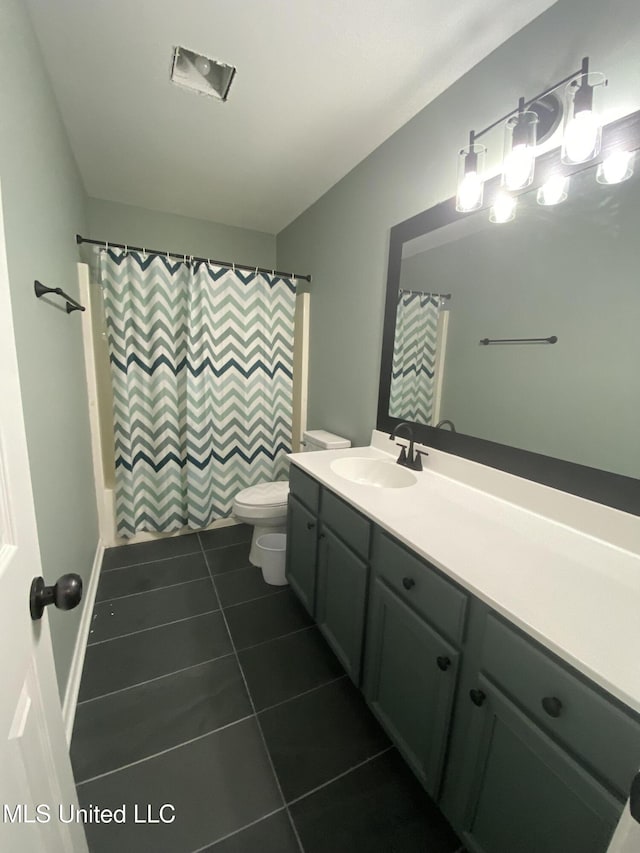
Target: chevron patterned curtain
column 414, row 356
column 201, row 367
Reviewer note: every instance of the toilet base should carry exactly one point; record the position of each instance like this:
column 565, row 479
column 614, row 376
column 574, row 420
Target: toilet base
column 254, row 557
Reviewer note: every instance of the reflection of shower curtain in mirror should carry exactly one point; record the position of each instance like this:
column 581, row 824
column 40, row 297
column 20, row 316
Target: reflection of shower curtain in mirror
column 418, row 356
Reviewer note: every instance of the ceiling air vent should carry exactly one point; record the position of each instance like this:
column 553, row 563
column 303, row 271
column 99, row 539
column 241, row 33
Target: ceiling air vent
column 201, row 74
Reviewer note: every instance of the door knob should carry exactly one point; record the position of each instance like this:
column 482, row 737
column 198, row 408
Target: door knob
column 65, row 594
column 443, row 662
column 408, row 583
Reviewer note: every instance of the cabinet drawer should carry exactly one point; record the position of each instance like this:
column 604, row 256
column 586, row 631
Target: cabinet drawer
column 421, row 586
column 351, row 527
column 305, row 488
column 595, row 728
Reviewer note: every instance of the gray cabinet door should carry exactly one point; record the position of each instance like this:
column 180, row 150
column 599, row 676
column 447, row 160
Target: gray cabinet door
column 302, row 537
column 409, row 683
column 341, row 601
column 523, row 793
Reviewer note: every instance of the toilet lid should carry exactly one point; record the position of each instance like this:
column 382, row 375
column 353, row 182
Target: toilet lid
column 265, row 494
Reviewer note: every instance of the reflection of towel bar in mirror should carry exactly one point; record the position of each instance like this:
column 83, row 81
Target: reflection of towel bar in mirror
column 550, row 340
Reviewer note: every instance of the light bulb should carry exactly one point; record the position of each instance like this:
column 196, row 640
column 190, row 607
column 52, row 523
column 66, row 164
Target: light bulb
column 553, row 191
column 470, row 192
column 202, row 65
column 504, row 208
column 581, row 137
column 518, row 167
column 615, row 168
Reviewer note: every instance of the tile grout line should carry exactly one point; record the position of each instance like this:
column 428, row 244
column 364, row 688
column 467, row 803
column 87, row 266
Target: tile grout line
column 153, row 627
column 211, row 844
column 257, row 720
column 340, row 775
column 153, row 589
column 164, row 751
column 273, row 639
column 249, row 600
column 192, row 665
column 199, row 550
column 303, row 693
column 147, row 562
column 155, row 678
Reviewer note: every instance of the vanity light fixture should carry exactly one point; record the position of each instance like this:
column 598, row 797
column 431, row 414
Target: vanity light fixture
column 519, row 148
column 615, row 168
column 470, row 180
column 503, row 208
column 553, row 191
column 535, row 121
column 582, row 129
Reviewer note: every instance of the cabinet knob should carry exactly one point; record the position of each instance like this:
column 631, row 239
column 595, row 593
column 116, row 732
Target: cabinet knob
column 443, row 662
column 552, row 705
column 477, row 696
column 408, row 583
column 310, row 525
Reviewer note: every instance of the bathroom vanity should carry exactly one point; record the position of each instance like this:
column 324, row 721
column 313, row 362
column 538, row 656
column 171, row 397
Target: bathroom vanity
column 497, row 647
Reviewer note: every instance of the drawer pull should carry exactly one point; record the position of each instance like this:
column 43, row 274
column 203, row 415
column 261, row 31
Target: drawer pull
column 310, row 525
column 477, row 696
column 408, row 583
column 443, row 662
column 552, row 705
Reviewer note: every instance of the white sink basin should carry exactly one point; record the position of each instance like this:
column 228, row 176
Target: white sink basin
column 373, row 472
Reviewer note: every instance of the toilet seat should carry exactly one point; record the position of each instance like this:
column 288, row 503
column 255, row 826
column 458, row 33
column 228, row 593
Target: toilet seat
column 266, row 500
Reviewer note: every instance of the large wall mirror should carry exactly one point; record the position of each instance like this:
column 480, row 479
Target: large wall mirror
column 524, row 337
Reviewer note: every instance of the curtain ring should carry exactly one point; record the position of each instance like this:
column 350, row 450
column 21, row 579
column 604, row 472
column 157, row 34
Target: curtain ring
column 144, row 254
column 125, row 249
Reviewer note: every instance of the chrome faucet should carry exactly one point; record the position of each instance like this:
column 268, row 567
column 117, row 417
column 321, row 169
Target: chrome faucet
column 446, row 421
column 408, row 459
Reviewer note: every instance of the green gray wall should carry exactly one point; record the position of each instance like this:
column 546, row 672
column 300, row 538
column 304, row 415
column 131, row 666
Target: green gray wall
column 343, row 238
column 43, row 203
column 124, row 223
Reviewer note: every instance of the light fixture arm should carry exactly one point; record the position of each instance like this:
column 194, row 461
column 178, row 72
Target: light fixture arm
column 523, row 105
column 583, row 98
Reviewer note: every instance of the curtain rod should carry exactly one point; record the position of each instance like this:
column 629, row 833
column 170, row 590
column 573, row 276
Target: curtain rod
column 424, row 292
column 184, row 257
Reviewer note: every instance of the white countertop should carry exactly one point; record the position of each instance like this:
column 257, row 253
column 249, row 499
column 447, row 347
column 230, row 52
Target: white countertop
column 577, row 595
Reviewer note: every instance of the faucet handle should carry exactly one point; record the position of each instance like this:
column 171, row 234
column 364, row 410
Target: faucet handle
column 418, row 459
column 402, row 459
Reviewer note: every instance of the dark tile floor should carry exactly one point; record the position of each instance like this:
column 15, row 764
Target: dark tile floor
column 210, row 691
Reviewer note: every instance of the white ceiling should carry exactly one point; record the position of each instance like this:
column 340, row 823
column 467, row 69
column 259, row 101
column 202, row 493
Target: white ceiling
column 320, row 84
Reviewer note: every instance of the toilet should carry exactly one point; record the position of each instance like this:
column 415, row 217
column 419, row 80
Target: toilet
column 265, row 506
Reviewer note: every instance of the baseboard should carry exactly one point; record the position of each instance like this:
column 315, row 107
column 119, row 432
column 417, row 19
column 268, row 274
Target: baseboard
column 75, row 671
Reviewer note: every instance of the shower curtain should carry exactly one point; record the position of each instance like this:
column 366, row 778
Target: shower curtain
column 415, row 351
column 201, row 367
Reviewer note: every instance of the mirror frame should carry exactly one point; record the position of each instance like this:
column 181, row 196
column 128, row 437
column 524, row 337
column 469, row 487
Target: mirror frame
column 604, row 487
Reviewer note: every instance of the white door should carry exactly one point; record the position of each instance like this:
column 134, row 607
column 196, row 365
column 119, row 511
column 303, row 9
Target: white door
column 35, row 770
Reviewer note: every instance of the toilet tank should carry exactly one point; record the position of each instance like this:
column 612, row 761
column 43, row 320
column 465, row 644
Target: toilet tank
column 320, row 439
